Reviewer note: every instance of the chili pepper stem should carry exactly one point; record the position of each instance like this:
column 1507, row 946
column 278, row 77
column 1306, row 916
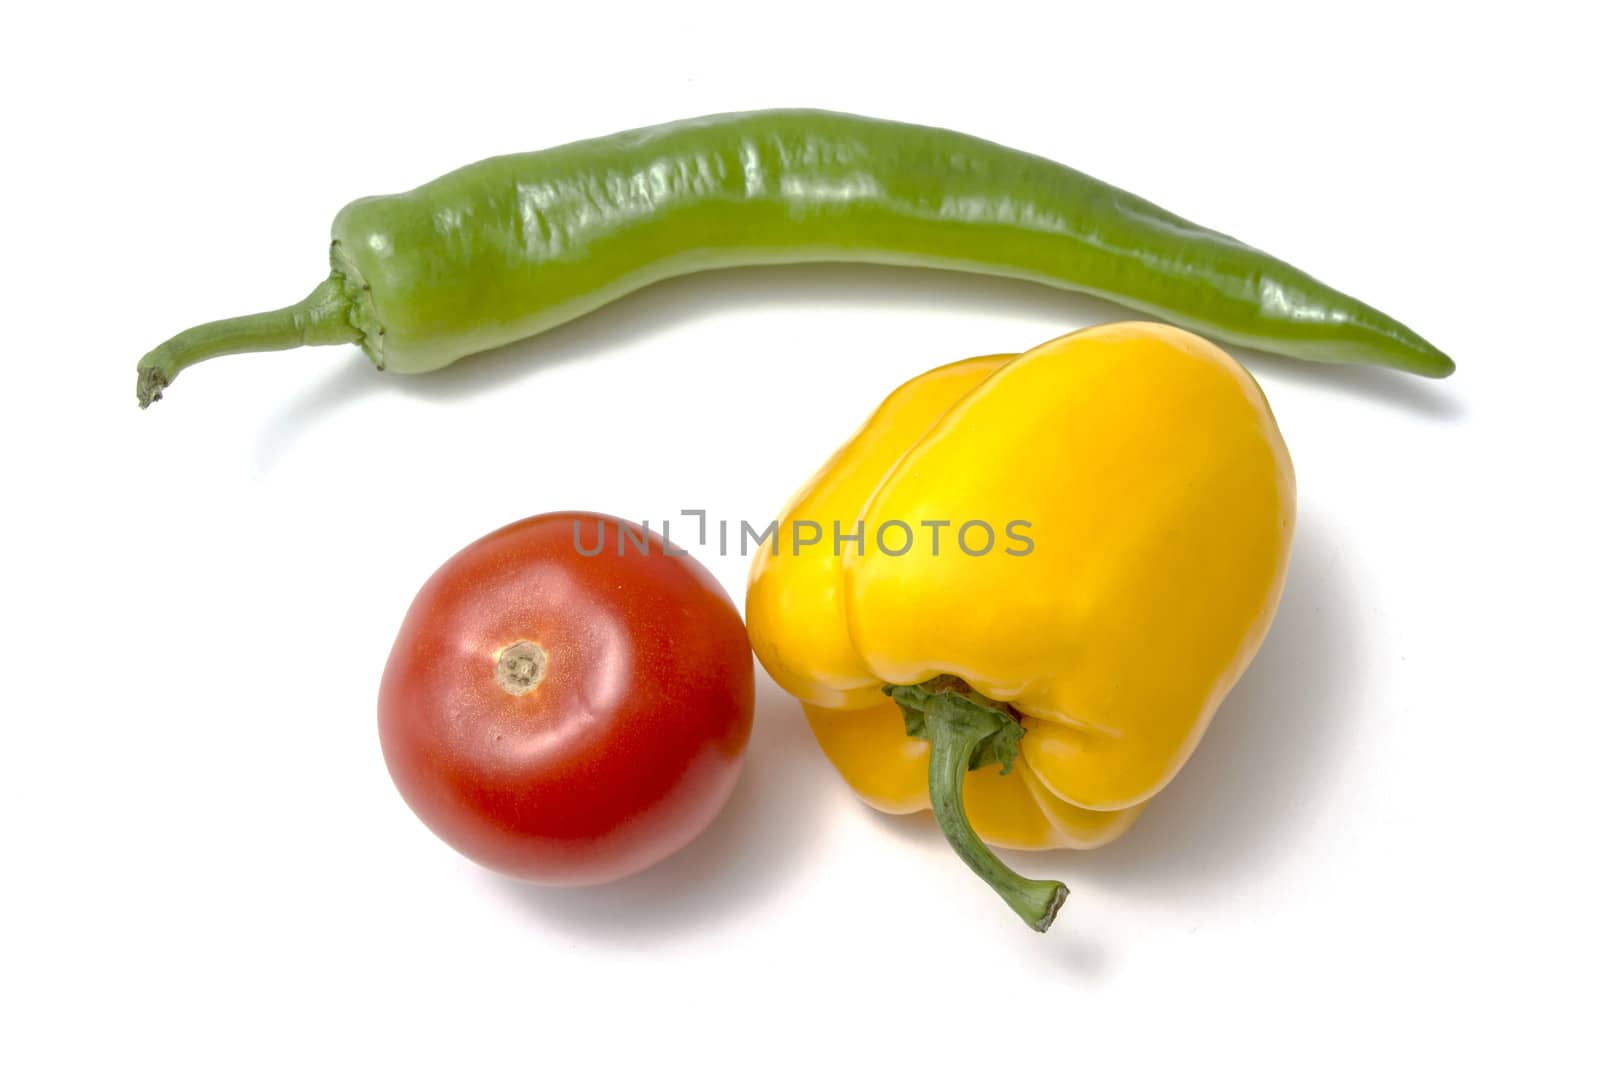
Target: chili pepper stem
column 954, row 740
column 322, row 318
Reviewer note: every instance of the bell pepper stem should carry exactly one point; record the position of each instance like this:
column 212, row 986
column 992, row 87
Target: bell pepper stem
column 322, row 318
column 967, row 731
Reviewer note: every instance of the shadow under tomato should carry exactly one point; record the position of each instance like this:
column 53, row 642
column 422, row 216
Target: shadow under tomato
column 768, row 831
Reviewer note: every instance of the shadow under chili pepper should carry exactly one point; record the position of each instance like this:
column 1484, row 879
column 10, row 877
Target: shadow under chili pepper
column 810, row 286
column 795, row 287
column 769, row 830
column 1434, row 399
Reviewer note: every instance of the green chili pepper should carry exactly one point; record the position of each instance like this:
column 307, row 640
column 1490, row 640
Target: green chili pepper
column 514, row 245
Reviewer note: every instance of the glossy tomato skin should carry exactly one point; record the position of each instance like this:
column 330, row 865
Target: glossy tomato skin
column 629, row 743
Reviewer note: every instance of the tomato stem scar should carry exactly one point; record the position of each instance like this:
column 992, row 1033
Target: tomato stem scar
column 519, row 668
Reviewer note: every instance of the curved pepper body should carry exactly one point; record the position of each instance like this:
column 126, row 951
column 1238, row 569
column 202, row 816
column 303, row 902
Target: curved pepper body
column 508, row 247
column 513, row 245
column 1158, row 500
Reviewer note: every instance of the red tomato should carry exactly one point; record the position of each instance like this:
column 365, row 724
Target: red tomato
column 562, row 717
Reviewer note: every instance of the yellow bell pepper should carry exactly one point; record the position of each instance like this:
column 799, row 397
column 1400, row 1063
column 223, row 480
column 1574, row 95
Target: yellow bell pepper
column 1020, row 592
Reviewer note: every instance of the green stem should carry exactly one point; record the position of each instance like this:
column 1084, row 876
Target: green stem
column 323, row 318
column 953, row 744
column 967, row 731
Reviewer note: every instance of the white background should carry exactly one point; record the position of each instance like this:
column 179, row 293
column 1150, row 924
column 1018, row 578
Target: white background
column 1382, row 849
